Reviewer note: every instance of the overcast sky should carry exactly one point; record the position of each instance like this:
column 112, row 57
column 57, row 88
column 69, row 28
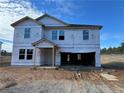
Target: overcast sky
column 108, row 13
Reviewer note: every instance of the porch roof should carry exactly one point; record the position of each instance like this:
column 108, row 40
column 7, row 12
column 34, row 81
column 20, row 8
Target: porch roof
column 44, row 40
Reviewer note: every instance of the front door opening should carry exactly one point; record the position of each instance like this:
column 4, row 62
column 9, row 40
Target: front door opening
column 46, row 56
column 87, row 59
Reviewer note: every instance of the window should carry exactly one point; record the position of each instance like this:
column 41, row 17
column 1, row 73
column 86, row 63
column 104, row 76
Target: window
column 22, row 54
column 29, row 54
column 61, row 35
column 78, row 56
column 85, row 35
column 54, row 35
column 27, row 33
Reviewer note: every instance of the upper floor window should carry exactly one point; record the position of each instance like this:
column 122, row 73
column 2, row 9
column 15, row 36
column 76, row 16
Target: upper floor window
column 85, row 35
column 54, row 35
column 27, row 32
column 61, row 35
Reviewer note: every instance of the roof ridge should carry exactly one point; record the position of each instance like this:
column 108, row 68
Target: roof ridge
column 46, row 14
column 25, row 18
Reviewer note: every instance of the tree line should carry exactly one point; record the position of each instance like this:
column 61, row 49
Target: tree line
column 113, row 50
column 5, row 53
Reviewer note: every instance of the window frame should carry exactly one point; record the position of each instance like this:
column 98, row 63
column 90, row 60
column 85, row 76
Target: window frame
column 85, row 34
column 61, row 35
column 28, row 54
column 27, row 33
column 54, row 35
column 23, row 54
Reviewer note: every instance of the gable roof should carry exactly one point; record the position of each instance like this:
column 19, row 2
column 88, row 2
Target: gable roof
column 44, row 40
column 26, row 18
column 67, row 26
column 47, row 15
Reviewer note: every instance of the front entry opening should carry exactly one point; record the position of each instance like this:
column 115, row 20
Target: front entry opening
column 87, row 59
column 46, row 56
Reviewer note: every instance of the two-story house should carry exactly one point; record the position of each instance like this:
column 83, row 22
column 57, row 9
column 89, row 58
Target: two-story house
column 49, row 41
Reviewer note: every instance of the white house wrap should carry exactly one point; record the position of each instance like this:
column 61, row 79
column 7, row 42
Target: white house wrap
column 52, row 42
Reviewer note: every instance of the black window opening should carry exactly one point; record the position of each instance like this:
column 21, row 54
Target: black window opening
column 29, row 54
column 22, row 54
column 61, row 35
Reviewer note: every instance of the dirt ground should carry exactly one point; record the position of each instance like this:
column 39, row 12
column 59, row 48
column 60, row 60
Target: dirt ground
column 29, row 80
column 113, row 61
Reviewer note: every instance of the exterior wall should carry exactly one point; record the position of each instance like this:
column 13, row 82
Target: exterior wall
column 73, row 42
column 15, row 56
column 79, row 50
column 51, row 22
column 38, row 54
column 39, row 58
column 68, row 45
column 25, row 43
column 36, row 32
column 27, row 23
column 75, row 38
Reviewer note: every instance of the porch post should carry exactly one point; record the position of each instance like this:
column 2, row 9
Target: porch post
column 34, row 55
column 53, row 58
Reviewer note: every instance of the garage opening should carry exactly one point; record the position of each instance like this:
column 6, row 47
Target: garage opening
column 86, row 59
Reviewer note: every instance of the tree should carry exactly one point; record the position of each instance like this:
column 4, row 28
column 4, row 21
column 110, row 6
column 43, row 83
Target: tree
column 122, row 44
column 103, row 51
column 109, row 50
column 114, row 50
column 5, row 53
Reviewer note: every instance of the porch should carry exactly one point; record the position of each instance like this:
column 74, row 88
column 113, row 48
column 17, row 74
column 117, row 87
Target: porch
column 47, row 56
column 46, row 52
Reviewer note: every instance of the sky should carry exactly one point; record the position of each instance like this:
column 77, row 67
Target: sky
column 108, row 13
